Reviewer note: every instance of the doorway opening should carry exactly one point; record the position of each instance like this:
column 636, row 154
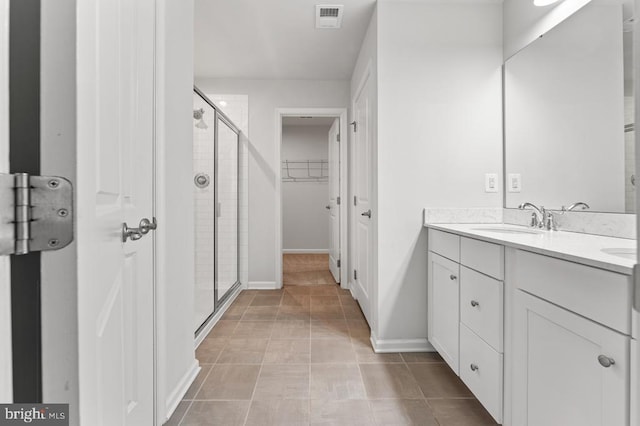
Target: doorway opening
column 311, row 216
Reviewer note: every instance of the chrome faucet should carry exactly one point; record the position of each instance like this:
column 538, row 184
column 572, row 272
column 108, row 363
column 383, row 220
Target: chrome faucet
column 584, row 206
column 541, row 217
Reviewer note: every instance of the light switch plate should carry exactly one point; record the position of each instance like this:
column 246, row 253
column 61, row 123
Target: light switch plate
column 490, row 182
column 514, row 182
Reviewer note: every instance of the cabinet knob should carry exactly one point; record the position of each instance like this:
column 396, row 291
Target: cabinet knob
column 474, row 367
column 474, row 303
column 452, row 277
column 605, row 361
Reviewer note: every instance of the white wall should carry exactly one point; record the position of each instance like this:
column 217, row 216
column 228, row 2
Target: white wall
column 524, row 22
column 304, row 217
column 6, row 383
column 177, row 363
column 564, row 109
column 439, row 112
column 265, row 96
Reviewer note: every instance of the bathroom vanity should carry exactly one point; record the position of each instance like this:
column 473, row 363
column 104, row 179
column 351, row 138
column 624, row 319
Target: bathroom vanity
column 537, row 324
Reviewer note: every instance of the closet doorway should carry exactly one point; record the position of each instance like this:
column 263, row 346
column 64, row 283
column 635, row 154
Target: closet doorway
column 311, row 186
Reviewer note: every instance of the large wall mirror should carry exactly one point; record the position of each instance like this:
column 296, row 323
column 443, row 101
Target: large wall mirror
column 569, row 113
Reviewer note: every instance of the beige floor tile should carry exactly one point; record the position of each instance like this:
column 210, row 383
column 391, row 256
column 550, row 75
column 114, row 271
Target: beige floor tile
column 286, row 412
column 291, row 329
column 340, row 413
column 279, row 381
column 412, row 357
column 243, row 351
column 229, row 381
column 195, row 386
column 336, row 382
column 460, row 412
column 178, row 414
column 323, row 290
column 260, row 313
column 228, row 413
column 365, row 354
column 210, row 349
column 327, row 312
column 332, row 351
column 437, row 380
column 223, row 329
column 389, row 381
column 352, row 312
column 358, row 327
column 294, row 299
column 328, row 329
column 301, row 290
column 287, row 351
column 253, row 329
column 234, row 312
column 347, row 299
column 397, row 412
column 324, row 301
column 243, row 299
column 260, row 300
column 286, row 313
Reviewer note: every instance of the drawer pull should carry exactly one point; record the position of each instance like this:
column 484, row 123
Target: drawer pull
column 474, row 303
column 605, row 361
column 452, row 277
column 474, row 367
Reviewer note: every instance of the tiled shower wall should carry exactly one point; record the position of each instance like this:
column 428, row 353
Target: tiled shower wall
column 203, row 162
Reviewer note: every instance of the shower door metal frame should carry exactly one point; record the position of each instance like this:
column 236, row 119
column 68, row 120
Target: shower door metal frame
column 217, row 302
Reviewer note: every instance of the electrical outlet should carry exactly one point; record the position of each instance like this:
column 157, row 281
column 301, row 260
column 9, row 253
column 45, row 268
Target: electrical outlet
column 490, row 182
column 514, row 182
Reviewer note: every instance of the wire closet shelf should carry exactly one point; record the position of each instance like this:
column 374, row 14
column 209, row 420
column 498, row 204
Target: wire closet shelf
column 305, row 171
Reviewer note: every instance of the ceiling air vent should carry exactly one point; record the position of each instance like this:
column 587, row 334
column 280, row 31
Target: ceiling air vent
column 329, row 15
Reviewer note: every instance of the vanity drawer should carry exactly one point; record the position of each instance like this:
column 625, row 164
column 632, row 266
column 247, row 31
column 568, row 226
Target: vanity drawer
column 485, row 381
column 484, row 257
column 445, row 244
column 600, row 295
column 481, row 306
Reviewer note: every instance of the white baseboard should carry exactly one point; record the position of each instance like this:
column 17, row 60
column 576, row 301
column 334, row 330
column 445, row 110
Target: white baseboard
column 305, row 251
column 400, row 345
column 204, row 331
column 180, row 391
column 263, row 285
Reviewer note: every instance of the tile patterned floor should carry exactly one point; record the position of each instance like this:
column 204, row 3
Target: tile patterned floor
column 301, row 356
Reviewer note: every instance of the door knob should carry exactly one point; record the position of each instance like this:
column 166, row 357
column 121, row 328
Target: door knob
column 605, row 361
column 146, row 225
column 475, row 303
column 328, row 207
column 367, row 213
column 474, row 367
column 143, row 229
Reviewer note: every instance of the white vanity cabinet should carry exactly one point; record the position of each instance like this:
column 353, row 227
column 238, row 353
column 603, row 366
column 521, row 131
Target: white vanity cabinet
column 465, row 306
column 571, row 343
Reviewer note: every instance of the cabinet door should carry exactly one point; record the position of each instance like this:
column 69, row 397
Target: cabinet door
column 558, row 378
column 443, row 305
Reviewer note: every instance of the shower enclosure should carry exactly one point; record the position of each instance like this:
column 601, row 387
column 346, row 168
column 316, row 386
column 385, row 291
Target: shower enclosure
column 216, row 154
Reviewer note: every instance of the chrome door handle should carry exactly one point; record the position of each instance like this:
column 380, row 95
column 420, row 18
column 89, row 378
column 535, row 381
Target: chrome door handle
column 605, row 361
column 134, row 234
column 367, row 214
column 328, row 207
column 146, row 225
column 452, row 277
column 474, row 303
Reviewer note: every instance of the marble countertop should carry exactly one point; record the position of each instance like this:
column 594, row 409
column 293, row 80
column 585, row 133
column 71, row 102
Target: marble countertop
column 576, row 247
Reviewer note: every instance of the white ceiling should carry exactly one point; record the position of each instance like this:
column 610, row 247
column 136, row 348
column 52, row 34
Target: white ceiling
column 276, row 39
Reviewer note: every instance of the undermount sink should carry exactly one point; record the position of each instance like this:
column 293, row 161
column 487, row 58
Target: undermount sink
column 505, row 230
column 625, row 253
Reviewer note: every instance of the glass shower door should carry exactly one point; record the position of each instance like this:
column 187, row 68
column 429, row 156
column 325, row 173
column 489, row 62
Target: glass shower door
column 227, row 209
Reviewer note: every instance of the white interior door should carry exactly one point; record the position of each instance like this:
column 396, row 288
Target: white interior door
column 115, row 69
column 6, row 383
column 362, row 200
column 334, row 193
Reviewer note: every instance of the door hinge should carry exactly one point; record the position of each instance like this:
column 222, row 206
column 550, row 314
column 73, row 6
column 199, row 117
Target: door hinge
column 355, row 275
column 636, row 281
column 338, row 138
column 338, row 201
column 355, row 126
column 36, row 213
column 355, row 200
column 339, row 263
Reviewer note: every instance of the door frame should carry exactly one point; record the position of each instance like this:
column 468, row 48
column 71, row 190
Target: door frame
column 340, row 113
